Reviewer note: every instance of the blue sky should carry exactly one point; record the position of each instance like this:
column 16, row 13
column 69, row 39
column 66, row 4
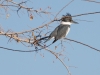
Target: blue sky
column 82, row 60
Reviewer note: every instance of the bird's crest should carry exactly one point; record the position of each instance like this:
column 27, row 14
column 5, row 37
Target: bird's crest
column 66, row 17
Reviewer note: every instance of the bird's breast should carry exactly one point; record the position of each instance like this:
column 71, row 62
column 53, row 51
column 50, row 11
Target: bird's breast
column 67, row 31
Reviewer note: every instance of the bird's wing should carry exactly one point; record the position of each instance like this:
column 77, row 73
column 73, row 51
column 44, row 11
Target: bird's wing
column 61, row 32
column 53, row 34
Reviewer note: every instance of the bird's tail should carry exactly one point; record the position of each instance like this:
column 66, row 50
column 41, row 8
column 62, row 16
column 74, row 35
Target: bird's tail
column 43, row 38
column 47, row 40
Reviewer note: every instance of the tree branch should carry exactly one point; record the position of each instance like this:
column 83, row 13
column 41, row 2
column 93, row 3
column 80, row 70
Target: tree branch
column 63, row 8
column 91, row 1
column 87, row 14
column 82, row 44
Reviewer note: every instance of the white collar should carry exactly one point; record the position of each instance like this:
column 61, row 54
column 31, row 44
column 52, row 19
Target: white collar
column 66, row 23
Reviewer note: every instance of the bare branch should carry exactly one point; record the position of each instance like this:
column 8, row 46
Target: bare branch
column 63, row 8
column 87, row 14
column 82, row 44
column 19, row 6
column 91, row 1
column 61, row 61
column 16, row 50
column 54, row 53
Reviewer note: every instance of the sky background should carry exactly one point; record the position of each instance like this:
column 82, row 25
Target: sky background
column 82, row 60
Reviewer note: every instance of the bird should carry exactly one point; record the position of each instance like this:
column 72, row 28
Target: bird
column 63, row 29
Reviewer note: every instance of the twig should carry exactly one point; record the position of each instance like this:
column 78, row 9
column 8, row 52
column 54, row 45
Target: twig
column 83, row 44
column 32, row 29
column 59, row 60
column 63, row 8
column 91, row 1
column 86, row 14
column 16, row 50
column 11, row 3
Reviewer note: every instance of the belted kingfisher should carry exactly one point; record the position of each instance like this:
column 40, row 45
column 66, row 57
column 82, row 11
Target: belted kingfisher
column 63, row 29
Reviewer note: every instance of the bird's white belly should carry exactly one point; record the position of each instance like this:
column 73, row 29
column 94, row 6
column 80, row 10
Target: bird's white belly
column 67, row 31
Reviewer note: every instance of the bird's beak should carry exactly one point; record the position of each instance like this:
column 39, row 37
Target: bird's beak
column 74, row 22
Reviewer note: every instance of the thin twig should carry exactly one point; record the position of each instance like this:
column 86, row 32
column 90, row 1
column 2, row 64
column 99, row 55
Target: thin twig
column 91, row 1
column 86, row 14
column 63, row 8
column 59, row 60
column 19, row 6
column 16, row 50
column 32, row 29
column 83, row 44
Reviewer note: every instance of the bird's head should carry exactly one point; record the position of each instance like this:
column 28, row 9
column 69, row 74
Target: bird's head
column 67, row 19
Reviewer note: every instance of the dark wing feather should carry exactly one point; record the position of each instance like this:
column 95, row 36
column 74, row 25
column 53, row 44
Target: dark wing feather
column 53, row 34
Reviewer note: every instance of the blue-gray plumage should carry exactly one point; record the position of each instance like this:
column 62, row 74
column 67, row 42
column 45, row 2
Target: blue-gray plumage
column 62, row 30
column 59, row 32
